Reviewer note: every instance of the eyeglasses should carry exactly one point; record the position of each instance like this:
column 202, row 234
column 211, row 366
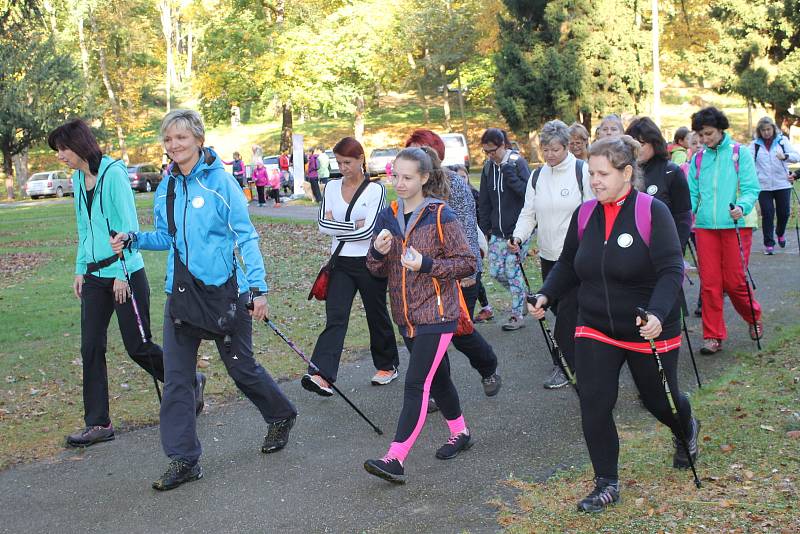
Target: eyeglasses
column 491, row 152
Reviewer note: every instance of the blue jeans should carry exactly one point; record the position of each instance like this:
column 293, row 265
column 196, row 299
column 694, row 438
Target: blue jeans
column 774, row 203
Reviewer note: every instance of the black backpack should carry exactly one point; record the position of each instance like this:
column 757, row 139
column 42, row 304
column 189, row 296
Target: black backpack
column 578, row 176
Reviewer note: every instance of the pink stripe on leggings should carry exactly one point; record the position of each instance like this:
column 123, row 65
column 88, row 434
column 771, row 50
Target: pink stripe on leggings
column 401, row 450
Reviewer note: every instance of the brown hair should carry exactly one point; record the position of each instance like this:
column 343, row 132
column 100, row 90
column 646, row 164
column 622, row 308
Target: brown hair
column 76, row 135
column 438, row 184
column 620, row 151
column 349, row 147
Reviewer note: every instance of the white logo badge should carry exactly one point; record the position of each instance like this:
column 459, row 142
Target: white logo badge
column 652, row 190
column 198, row 202
column 625, row 240
column 565, row 192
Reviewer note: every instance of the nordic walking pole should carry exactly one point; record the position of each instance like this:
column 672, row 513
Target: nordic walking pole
column 691, row 352
column 746, row 269
column 139, row 322
column 641, row 314
column 316, row 370
column 553, row 347
column 796, row 217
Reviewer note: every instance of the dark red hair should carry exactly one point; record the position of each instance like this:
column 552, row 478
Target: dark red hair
column 426, row 138
column 349, row 147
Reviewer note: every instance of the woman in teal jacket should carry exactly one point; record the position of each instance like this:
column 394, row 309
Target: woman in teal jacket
column 103, row 202
column 723, row 173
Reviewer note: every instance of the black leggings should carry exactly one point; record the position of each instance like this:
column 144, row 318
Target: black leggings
column 597, row 368
column 480, row 354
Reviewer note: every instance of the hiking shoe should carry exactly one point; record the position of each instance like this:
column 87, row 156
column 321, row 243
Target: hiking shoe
column 513, row 323
column 486, row 314
column 679, row 459
column 199, row 389
column 178, row 472
column 491, row 384
column 277, row 435
column 91, row 435
column 769, row 251
column 381, row 378
column 711, row 346
column 605, row 493
column 316, row 384
column 387, row 468
column 781, row 241
column 557, row 379
column 432, row 406
column 460, row 442
column 756, row 330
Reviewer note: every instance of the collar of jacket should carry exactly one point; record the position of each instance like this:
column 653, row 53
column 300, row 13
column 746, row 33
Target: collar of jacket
column 724, row 143
column 208, row 161
column 567, row 164
column 777, row 140
column 401, row 220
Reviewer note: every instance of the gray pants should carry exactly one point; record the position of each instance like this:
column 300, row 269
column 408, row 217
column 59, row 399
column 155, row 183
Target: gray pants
column 178, row 423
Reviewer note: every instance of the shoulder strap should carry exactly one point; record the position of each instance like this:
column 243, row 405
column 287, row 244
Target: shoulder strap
column 535, row 177
column 756, row 151
column 698, row 160
column 439, row 223
column 644, row 217
column 584, row 212
column 579, row 175
column 736, row 147
column 357, row 194
column 171, row 207
column 98, row 188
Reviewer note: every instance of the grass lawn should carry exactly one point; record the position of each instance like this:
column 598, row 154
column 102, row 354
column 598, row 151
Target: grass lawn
column 748, row 463
column 40, row 362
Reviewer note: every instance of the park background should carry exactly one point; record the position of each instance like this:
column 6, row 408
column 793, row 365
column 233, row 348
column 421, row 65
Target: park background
column 376, row 70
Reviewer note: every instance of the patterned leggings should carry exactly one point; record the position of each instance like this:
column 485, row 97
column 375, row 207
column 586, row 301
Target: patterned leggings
column 504, row 267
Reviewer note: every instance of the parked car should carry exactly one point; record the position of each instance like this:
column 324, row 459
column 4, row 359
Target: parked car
column 49, row 183
column 456, row 150
column 335, row 172
column 144, row 177
column 378, row 159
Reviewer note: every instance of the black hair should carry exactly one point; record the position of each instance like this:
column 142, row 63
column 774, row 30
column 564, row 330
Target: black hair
column 78, row 137
column 644, row 130
column 709, row 116
column 494, row 136
column 680, row 134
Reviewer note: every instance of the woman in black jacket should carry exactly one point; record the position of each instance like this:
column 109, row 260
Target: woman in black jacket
column 663, row 179
column 621, row 261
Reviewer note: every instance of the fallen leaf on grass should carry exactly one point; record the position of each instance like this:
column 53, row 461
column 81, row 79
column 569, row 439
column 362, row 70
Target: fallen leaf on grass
column 767, row 427
column 202, row 364
column 727, row 447
column 639, row 502
column 749, row 474
column 793, row 434
column 724, row 504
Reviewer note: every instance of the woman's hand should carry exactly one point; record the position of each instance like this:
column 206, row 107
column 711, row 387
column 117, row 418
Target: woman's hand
column 260, row 308
column 118, row 242
column 411, row 260
column 652, row 329
column 383, row 243
column 537, row 309
column 736, row 213
column 467, row 282
column 77, row 285
column 513, row 245
column 328, row 215
column 121, row 291
column 360, row 223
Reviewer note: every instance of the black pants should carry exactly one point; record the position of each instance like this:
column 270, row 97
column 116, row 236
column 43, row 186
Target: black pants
column 178, row 424
column 275, row 193
column 428, row 373
column 314, row 182
column 262, row 199
column 597, row 366
column 482, row 298
column 774, row 203
column 97, row 305
column 566, row 312
column 480, row 354
column 473, row 294
column 349, row 275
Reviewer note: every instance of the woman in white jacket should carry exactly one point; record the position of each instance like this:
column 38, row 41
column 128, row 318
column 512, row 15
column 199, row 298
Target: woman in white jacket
column 773, row 154
column 553, row 194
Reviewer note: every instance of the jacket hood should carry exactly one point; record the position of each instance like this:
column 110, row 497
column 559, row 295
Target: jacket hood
column 775, row 140
column 427, row 201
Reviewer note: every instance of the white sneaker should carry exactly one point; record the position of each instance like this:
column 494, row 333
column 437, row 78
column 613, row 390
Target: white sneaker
column 382, row 378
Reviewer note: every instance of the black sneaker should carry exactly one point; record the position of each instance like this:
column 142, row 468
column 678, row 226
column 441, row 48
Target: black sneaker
column 388, row 469
column 491, row 384
column 178, row 472
column 199, row 389
column 432, row 406
column 605, row 493
column 679, row 459
column 460, row 442
column 91, row 435
column 557, row 379
column 277, row 435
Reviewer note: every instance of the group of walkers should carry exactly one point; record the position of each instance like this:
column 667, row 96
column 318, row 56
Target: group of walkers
column 613, row 219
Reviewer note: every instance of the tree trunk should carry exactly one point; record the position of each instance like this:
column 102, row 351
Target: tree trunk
column 445, row 98
column 286, row 126
column 8, row 169
column 461, row 103
column 656, row 67
column 750, row 119
column 112, row 98
column 165, row 10
column 358, row 120
column 533, row 145
column 189, row 53
column 84, row 54
column 423, row 98
column 21, row 169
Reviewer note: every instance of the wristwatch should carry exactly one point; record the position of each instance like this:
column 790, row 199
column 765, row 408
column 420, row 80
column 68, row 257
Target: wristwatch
column 255, row 292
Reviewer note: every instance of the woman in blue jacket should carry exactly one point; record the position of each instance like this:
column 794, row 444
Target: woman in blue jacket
column 773, row 154
column 210, row 219
column 103, row 201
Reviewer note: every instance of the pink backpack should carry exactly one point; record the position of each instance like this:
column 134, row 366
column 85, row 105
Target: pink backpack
column 641, row 214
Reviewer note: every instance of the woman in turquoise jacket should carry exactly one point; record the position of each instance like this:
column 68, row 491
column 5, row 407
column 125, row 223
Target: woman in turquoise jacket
column 103, row 202
column 721, row 174
column 209, row 220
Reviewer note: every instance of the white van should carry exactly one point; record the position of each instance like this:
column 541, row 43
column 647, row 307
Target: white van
column 456, row 150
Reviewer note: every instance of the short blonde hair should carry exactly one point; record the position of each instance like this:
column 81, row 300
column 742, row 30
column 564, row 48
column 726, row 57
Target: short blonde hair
column 187, row 119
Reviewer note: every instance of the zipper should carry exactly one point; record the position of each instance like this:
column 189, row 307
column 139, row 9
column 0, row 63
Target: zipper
column 185, row 207
column 499, row 206
column 439, row 307
column 89, row 214
column 409, row 326
column 716, row 178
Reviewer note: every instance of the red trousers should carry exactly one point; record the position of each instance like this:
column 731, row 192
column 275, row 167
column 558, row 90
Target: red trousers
column 721, row 273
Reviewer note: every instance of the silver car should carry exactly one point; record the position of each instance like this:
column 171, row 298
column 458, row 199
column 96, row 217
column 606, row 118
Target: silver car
column 379, row 158
column 49, row 183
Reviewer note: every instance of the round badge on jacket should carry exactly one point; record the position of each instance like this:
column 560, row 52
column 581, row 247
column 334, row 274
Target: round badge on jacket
column 652, row 190
column 625, row 240
column 198, row 202
column 565, row 192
